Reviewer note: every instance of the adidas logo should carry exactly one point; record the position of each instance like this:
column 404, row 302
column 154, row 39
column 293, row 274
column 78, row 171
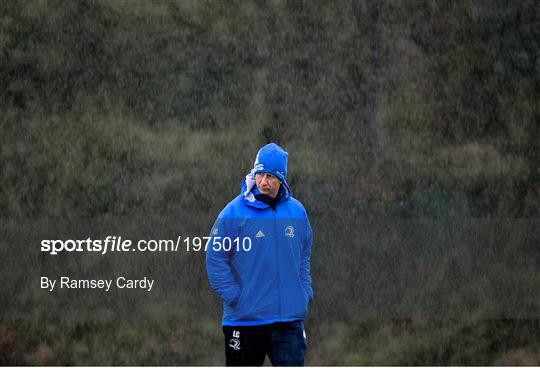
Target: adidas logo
column 260, row 234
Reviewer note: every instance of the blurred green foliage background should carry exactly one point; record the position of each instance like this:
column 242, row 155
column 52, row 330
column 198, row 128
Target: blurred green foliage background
column 389, row 109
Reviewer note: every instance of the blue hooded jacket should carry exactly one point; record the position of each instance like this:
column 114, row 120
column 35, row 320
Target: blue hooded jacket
column 262, row 272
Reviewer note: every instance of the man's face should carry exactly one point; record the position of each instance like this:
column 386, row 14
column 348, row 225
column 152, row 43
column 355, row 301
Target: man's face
column 268, row 184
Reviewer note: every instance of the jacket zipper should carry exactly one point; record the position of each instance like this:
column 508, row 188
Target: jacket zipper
column 274, row 210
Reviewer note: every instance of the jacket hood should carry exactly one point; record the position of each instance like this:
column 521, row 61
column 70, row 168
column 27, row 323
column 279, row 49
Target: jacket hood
column 272, row 159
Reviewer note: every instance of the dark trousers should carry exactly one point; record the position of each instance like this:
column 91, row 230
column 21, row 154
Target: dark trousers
column 284, row 343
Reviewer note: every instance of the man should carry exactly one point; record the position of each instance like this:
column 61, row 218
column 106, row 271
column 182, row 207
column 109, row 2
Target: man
column 265, row 284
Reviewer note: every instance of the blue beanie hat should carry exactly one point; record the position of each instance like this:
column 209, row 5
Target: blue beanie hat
column 272, row 159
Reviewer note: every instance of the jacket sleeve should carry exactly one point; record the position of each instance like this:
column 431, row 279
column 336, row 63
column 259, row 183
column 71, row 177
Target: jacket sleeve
column 218, row 264
column 305, row 262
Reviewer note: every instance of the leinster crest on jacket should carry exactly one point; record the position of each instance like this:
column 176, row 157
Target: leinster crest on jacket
column 289, row 231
